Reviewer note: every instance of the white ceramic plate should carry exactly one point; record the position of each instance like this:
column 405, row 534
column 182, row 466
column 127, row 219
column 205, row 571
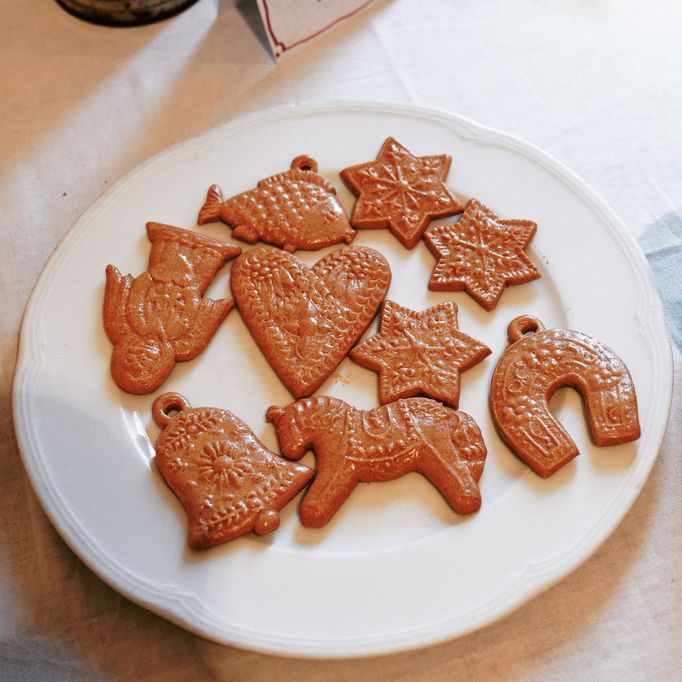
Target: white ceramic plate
column 396, row 568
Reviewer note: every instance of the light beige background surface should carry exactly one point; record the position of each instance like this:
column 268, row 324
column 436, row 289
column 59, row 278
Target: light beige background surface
column 596, row 84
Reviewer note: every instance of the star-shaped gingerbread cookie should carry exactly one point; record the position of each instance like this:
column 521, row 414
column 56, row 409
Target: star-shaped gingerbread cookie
column 419, row 353
column 481, row 254
column 401, row 191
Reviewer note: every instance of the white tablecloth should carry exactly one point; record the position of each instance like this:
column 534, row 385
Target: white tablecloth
column 596, row 84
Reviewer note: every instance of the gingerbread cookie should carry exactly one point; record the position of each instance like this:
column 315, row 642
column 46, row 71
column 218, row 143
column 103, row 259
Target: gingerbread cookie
column 224, row 477
column 481, row 254
column 295, row 210
column 533, row 367
column 415, row 434
column 161, row 317
column 305, row 320
column 401, row 191
column 419, row 353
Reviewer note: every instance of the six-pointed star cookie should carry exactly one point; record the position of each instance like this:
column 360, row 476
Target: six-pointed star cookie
column 401, row 191
column 481, row 254
column 419, row 353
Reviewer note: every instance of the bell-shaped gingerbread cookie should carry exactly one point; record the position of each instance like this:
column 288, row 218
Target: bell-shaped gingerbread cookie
column 294, row 210
column 224, row 477
column 533, row 367
column 351, row 446
column 161, row 317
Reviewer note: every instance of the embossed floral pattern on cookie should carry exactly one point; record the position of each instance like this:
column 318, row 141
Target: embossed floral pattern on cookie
column 419, row 353
column 351, row 446
column 305, row 320
column 225, row 478
column 533, row 367
column 401, row 191
column 481, row 254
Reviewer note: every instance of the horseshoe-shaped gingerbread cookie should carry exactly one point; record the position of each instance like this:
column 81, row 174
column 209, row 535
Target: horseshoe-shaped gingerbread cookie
column 533, row 367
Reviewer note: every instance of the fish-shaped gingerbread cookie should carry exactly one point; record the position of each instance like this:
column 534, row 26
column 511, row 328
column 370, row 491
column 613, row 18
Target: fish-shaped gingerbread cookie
column 293, row 210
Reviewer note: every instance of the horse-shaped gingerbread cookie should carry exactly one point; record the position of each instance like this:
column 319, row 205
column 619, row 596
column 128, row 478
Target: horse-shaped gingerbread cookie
column 412, row 434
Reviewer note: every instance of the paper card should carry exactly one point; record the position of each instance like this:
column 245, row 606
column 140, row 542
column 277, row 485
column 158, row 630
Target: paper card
column 291, row 25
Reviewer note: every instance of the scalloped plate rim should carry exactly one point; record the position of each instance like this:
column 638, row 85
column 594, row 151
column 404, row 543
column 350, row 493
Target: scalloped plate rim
column 185, row 610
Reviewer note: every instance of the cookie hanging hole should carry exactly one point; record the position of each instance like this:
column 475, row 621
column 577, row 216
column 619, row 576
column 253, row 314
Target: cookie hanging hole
column 166, row 405
column 522, row 326
column 304, row 163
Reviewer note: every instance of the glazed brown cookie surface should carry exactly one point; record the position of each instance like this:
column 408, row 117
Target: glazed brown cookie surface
column 481, row 254
column 305, row 320
column 350, row 445
column 401, row 191
column 294, row 210
column 161, row 317
column 419, row 353
column 533, row 367
column 224, row 477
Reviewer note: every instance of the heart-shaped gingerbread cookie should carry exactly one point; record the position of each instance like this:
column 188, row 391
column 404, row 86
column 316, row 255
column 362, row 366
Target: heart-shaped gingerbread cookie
column 305, row 320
